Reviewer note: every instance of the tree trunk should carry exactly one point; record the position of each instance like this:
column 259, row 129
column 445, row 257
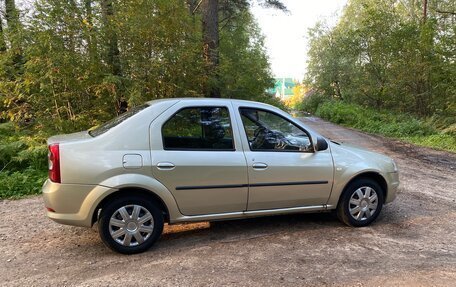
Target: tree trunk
column 11, row 14
column 425, row 4
column 13, row 34
column 211, row 41
column 91, row 40
column 113, row 53
column 337, row 89
column 12, row 22
column 2, row 37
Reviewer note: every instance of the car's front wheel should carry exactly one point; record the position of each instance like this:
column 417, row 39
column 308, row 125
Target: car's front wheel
column 360, row 203
column 130, row 224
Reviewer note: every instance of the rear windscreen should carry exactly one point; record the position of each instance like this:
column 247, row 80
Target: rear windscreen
column 101, row 129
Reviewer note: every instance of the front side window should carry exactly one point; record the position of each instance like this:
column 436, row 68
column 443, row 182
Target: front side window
column 199, row 128
column 267, row 131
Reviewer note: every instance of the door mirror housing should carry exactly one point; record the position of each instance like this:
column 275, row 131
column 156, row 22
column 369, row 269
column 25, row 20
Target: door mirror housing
column 322, row 144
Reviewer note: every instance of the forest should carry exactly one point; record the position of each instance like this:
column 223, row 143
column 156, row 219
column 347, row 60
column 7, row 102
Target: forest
column 386, row 67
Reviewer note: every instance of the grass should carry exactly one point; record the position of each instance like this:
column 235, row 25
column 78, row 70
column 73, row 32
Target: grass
column 23, row 162
column 437, row 141
column 389, row 124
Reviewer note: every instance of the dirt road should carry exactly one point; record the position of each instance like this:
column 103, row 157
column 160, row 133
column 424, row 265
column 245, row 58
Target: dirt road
column 412, row 244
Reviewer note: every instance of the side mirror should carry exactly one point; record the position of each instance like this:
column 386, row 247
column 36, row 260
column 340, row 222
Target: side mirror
column 322, row 144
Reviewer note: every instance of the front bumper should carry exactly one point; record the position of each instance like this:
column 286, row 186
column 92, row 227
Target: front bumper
column 392, row 179
column 72, row 204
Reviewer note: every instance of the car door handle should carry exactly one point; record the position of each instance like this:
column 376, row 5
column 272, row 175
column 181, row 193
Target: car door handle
column 165, row 165
column 259, row 165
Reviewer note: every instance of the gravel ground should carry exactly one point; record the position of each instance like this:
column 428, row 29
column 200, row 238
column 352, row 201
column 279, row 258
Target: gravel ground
column 413, row 243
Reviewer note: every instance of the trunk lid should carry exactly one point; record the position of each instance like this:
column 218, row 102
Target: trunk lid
column 69, row 137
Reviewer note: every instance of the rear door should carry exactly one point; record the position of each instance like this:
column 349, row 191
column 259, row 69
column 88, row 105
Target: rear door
column 199, row 158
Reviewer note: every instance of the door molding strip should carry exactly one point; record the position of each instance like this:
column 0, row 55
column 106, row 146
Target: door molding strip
column 252, row 185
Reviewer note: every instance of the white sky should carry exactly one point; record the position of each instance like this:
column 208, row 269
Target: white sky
column 286, row 34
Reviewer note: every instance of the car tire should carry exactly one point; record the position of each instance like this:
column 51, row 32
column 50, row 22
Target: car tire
column 360, row 203
column 130, row 225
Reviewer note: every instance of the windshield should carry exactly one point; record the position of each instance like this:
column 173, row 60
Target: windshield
column 101, row 129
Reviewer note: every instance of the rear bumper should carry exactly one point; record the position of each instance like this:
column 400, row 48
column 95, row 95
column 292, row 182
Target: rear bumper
column 393, row 184
column 72, row 204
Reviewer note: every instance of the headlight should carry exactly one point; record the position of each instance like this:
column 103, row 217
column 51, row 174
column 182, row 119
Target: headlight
column 394, row 165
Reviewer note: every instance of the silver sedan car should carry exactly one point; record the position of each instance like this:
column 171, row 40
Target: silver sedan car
column 184, row 160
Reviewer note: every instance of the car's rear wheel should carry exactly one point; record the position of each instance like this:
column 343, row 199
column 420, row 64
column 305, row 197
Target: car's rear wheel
column 360, row 203
column 130, row 224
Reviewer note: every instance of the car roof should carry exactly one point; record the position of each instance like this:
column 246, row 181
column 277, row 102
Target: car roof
column 195, row 100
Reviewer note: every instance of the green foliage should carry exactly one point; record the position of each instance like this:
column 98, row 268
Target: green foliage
column 21, row 183
column 438, row 141
column 383, row 54
column 401, row 126
column 23, row 162
column 244, row 67
column 384, row 62
column 70, row 78
column 311, row 103
column 20, row 150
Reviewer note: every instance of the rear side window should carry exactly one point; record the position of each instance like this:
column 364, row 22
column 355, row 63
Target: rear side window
column 198, row 128
column 101, row 129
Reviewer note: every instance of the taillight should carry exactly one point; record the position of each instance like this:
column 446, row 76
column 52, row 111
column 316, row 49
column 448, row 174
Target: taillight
column 54, row 163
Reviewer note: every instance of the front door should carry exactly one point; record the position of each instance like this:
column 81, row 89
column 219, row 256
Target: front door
column 284, row 171
column 200, row 161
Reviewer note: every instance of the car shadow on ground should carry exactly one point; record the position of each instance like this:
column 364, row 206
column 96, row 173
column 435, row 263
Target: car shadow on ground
column 245, row 229
column 194, row 235
column 189, row 234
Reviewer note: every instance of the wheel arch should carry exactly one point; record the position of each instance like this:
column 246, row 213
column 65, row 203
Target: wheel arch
column 375, row 176
column 129, row 191
column 137, row 184
column 339, row 187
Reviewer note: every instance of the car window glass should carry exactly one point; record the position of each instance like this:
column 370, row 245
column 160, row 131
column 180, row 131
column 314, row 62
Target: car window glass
column 267, row 131
column 96, row 131
column 199, row 128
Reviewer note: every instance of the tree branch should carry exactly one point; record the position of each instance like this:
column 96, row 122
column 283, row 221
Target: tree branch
column 445, row 12
column 197, row 6
column 276, row 4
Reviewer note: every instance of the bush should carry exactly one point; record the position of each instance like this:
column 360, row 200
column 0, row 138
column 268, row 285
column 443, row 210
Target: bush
column 21, row 183
column 311, row 103
column 19, row 150
column 23, row 162
column 401, row 126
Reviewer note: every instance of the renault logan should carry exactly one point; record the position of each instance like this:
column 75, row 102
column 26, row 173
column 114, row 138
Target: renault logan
column 183, row 160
